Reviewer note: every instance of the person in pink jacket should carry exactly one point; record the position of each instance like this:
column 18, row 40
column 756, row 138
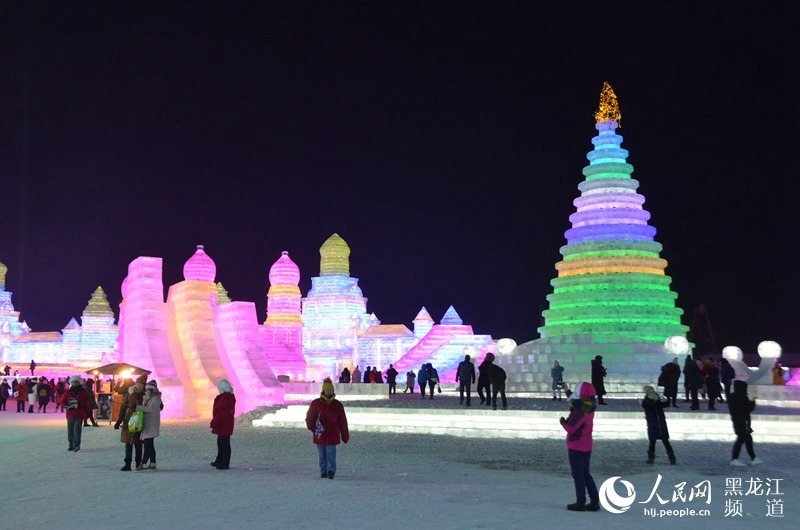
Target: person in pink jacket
column 327, row 420
column 579, row 425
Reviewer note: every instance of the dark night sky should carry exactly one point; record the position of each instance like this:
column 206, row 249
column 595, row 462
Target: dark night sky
column 444, row 141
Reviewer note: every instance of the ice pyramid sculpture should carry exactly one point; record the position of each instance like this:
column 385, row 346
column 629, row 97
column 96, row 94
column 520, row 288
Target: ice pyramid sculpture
column 611, row 297
column 611, row 282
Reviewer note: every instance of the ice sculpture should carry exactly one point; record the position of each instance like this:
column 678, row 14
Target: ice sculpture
column 98, row 330
column 283, row 329
column 611, row 296
column 611, row 282
column 334, row 312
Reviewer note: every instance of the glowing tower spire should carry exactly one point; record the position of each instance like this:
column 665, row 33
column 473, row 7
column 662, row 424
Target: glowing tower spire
column 611, row 282
column 284, row 326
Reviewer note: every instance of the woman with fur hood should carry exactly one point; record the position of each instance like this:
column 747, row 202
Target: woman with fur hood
column 132, row 440
column 222, row 423
column 579, row 425
column 327, row 420
column 151, row 406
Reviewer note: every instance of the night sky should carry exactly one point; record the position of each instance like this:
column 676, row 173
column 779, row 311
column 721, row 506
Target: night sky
column 444, row 142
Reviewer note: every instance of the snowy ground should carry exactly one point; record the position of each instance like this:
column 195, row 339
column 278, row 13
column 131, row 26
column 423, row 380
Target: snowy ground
column 384, row 480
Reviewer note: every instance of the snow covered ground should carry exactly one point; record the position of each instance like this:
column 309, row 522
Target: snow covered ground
column 384, row 480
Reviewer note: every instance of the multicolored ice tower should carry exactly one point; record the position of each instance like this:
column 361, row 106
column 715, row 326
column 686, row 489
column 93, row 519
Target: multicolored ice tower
column 611, row 296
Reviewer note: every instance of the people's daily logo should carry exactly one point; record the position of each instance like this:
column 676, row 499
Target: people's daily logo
column 613, row 502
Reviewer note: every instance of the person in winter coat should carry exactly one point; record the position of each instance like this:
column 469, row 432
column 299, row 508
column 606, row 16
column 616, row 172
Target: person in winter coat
column 485, row 379
column 693, row 379
column 45, row 392
column 465, row 377
column 579, row 425
column 89, row 387
column 356, row 378
column 21, row 393
column 557, row 375
column 151, row 406
column 433, row 378
column 422, row 379
column 391, row 378
column 653, row 406
column 712, row 384
column 670, row 375
column 132, row 440
column 345, row 377
column 411, row 379
column 498, row 376
column 777, row 374
column 32, row 366
column 367, row 374
column 328, row 423
column 740, row 406
column 5, row 393
column 59, row 393
column 598, row 374
column 76, row 403
column 222, row 423
column 33, row 391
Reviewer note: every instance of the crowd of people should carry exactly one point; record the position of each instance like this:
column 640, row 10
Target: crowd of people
column 139, row 417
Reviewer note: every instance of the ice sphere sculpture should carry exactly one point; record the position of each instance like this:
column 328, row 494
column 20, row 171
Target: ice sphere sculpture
column 200, row 267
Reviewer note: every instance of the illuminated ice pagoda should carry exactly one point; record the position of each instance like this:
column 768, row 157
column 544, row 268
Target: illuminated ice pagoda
column 611, row 297
column 284, row 326
column 76, row 345
column 334, row 311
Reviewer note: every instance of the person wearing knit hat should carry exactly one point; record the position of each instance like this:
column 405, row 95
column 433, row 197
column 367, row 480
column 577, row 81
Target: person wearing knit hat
column 222, row 423
column 328, row 423
column 579, row 426
column 653, row 405
column 151, row 406
column 75, row 402
column 132, row 440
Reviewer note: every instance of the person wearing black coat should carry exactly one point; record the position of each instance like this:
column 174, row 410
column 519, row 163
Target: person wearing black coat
column 485, row 380
column 653, row 407
column 366, row 374
column 391, row 378
column 598, row 373
column 740, row 406
column 498, row 377
column 670, row 374
column 694, row 380
column 712, row 386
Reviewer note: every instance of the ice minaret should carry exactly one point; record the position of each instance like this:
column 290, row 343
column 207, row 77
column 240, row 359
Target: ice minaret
column 611, row 282
column 284, row 326
column 611, row 296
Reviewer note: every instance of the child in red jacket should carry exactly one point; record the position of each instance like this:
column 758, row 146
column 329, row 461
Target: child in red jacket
column 327, row 420
column 222, row 423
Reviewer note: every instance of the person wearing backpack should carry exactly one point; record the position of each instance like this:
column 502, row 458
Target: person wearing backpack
column 75, row 402
column 44, row 392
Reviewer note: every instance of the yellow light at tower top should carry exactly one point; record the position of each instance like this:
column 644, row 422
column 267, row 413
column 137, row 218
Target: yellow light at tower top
column 609, row 107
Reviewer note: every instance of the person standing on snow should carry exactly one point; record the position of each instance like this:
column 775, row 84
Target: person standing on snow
column 222, row 423
column 653, row 406
column 485, row 379
column 151, row 406
column 579, row 426
column 76, row 403
column 327, row 421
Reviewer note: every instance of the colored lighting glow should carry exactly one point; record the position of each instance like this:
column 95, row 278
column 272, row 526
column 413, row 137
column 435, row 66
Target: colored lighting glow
column 611, row 282
column 284, row 325
column 335, row 257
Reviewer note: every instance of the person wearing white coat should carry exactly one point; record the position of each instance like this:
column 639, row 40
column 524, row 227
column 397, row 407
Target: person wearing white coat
column 151, row 406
